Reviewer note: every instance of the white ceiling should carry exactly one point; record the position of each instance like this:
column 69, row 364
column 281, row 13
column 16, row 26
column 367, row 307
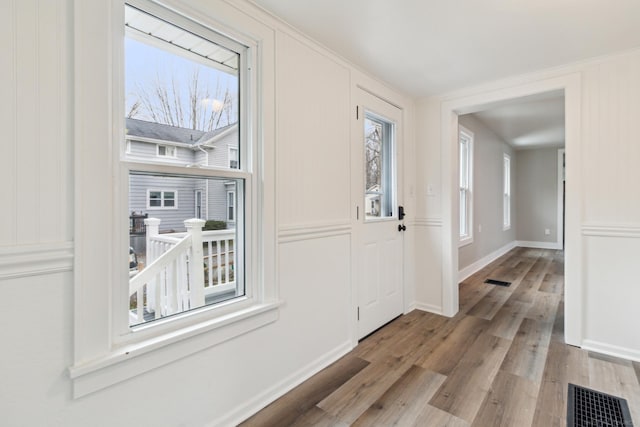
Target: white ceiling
column 529, row 122
column 426, row 47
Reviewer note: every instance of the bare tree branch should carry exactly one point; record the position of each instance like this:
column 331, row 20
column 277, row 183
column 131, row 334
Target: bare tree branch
column 184, row 103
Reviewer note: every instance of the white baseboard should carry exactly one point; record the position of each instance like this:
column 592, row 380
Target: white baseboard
column 484, row 261
column 244, row 411
column 538, row 245
column 428, row 308
column 611, row 350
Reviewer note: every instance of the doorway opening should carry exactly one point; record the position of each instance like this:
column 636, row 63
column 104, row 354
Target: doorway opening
column 570, row 86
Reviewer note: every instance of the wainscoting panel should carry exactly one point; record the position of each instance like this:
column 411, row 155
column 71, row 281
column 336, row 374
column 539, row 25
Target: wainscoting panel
column 612, row 289
column 428, row 264
column 313, row 161
column 35, row 163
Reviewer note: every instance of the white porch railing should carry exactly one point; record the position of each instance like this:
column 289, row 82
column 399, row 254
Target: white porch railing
column 170, row 282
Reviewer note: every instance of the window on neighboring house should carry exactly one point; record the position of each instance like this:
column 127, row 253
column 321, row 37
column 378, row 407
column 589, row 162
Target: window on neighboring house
column 190, row 288
column 161, row 199
column 506, row 196
column 231, row 205
column 167, row 151
column 466, row 185
column 233, row 157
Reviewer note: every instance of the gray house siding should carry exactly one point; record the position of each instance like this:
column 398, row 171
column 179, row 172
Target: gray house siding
column 149, row 151
column 172, row 218
column 219, row 155
column 217, row 200
column 214, row 191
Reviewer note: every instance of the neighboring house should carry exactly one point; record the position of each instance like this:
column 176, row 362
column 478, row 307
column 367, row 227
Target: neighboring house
column 175, row 199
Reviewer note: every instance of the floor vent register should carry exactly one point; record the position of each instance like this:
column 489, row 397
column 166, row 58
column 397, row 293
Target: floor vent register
column 497, row 282
column 590, row 408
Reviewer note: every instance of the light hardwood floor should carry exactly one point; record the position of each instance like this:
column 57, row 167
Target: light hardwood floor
column 501, row 361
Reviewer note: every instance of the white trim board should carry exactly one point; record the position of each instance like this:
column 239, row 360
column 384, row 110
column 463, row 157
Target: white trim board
column 245, row 410
column 611, row 350
column 484, row 261
column 611, row 230
column 561, row 195
column 35, row 260
column 538, row 245
column 430, row 308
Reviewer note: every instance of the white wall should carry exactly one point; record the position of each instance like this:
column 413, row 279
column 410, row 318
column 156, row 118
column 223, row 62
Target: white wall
column 221, row 384
column 428, row 220
column 603, row 229
column 536, row 193
column 488, row 233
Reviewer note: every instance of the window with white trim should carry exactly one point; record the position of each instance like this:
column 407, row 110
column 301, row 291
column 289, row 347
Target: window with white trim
column 167, row 151
column 506, row 193
column 233, row 157
column 108, row 346
column 466, row 185
column 185, row 268
column 231, row 205
column 162, row 199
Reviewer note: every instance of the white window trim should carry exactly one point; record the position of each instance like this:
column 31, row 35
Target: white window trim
column 506, row 192
column 466, row 133
column 100, row 359
column 173, row 148
column 162, row 207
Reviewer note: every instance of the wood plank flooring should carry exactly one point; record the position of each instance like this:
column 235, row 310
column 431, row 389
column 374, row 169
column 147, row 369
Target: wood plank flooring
column 501, row 361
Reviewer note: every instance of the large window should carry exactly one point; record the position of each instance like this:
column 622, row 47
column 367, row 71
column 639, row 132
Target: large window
column 466, row 185
column 506, row 193
column 182, row 86
column 229, row 276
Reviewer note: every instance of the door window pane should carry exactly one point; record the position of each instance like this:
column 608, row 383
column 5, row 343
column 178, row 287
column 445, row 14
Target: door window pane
column 379, row 174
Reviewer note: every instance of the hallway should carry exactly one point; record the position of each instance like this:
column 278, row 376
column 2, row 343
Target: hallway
column 501, row 361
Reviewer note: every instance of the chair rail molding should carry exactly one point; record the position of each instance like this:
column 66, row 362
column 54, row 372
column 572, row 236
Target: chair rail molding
column 297, row 232
column 611, row 230
column 35, row 260
column 427, row 222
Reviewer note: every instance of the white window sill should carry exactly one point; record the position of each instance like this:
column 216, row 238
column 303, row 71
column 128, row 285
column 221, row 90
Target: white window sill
column 130, row 360
column 466, row 241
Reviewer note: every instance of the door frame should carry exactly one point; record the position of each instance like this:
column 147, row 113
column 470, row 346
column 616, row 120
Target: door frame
column 357, row 211
column 561, row 191
column 570, row 84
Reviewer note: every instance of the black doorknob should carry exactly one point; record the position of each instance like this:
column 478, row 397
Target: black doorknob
column 402, row 227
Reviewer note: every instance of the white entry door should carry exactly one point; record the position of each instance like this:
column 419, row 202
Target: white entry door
column 378, row 249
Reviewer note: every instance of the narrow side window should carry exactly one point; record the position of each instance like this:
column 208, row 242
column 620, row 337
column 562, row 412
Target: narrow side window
column 466, row 185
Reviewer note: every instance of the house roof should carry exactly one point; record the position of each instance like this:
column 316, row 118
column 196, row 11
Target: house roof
column 175, row 134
